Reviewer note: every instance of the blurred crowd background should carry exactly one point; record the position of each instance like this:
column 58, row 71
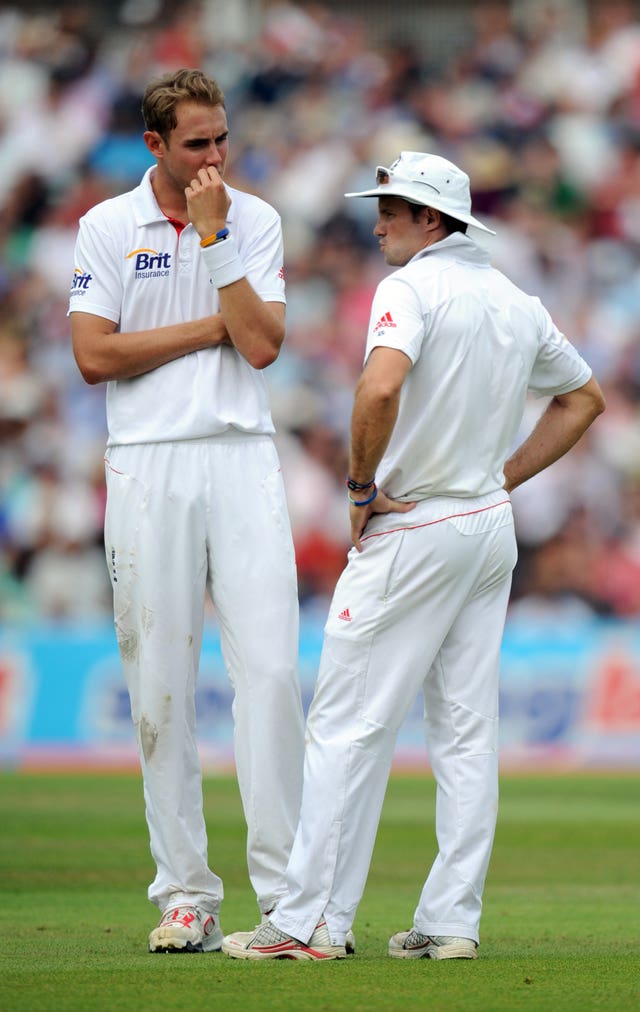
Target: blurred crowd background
column 538, row 101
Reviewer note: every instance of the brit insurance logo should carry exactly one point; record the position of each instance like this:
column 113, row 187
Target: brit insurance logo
column 80, row 281
column 149, row 263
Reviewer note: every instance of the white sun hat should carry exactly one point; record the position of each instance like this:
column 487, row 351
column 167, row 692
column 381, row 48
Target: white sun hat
column 428, row 180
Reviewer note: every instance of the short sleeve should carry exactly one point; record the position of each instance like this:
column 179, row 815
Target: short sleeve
column 397, row 319
column 97, row 284
column 262, row 253
column 558, row 367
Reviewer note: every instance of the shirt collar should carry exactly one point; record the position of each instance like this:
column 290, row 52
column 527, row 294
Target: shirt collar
column 462, row 246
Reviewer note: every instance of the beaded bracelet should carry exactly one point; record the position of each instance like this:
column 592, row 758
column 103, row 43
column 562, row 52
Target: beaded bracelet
column 364, row 502
column 355, row 486
column 216, row 237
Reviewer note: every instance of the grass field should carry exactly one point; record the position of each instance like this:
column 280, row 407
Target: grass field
column 560, row 931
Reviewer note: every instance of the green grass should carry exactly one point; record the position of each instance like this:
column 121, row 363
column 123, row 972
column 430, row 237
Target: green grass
column 560, row 931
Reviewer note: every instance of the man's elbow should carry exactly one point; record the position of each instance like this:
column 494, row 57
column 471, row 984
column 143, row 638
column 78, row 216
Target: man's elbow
column 93, row 378
column 381, row 393
column 264, row 350
column 90, row 369
column 600, row 405
column 261, row 358
column 597, row 403
column 587, row 402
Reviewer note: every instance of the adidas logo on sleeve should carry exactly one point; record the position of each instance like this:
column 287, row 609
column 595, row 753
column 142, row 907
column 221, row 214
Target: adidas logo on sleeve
column 385, row 321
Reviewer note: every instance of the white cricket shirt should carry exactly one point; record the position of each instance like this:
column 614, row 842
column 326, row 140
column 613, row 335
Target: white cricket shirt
column 477, row 344
column 131, row 267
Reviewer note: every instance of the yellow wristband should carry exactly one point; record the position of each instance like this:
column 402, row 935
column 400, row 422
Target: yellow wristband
column 215, row 237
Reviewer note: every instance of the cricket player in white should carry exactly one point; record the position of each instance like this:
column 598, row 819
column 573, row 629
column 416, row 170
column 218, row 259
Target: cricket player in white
column 178, row 303
column 452, row 349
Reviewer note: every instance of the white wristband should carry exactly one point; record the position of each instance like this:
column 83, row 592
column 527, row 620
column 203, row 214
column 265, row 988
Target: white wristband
column 223, row 263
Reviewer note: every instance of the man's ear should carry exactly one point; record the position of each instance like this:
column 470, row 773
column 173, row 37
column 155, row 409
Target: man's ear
column 431, row 218
column 154, row 142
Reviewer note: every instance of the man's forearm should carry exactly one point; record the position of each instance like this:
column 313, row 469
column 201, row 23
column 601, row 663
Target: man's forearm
column 375, row 412
column 106, row 354
column 372, row 423
column 255, row 328
column 564, row 421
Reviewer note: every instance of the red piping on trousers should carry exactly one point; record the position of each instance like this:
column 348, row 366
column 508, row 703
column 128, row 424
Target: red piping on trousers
column 430, row 523
column 111, row 467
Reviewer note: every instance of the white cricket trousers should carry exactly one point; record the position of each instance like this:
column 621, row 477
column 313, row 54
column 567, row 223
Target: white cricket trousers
column 421, row 608
column 183, row 518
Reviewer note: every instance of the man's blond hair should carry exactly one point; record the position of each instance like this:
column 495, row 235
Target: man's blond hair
column 162, row 96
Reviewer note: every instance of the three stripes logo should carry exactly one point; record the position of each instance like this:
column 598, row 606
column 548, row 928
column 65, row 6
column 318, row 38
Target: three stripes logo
column 385, row 321
column 345, row 615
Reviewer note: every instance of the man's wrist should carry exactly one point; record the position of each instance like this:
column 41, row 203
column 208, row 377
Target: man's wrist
column 218, row 236
column 223, row 262
column 359, row 486
column 364, row 502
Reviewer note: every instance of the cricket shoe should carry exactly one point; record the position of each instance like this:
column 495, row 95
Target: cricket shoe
column 414, row 945
column 349, row 942
column 268, row 942
column 186, row 929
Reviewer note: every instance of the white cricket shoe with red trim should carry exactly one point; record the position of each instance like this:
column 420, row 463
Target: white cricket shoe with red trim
column 186, row 929
column 242, row 937
column 268, row 942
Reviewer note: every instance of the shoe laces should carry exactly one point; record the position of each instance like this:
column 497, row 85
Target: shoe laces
column 178, row 914
column 268, row 934
column 415, row 939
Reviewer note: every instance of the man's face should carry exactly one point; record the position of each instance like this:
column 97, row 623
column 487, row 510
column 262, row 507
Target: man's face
column 199, row 139
column 400, row 236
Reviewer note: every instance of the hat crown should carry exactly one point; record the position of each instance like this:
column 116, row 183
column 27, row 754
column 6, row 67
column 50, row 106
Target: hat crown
column 435, row 172
column 429, row 180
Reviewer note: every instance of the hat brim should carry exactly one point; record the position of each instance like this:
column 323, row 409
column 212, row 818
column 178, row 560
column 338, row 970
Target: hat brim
column 405, row 192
